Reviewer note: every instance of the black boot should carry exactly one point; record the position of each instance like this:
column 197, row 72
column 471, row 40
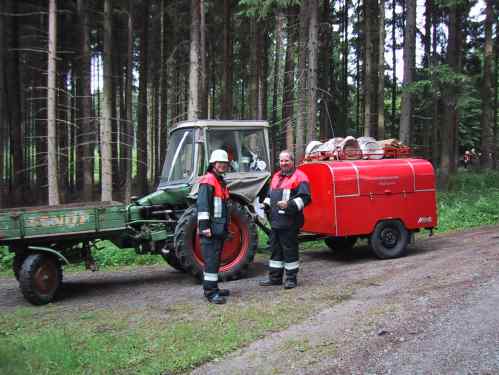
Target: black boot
column 290, row 283
column 270, row 282
column 216, row 298
column 224, row 292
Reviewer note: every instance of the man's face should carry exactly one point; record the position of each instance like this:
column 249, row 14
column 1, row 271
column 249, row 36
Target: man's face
column 220, row 167
column 285, row 162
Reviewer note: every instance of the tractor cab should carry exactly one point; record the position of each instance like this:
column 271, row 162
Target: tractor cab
column 191, row 143
column 189, row 148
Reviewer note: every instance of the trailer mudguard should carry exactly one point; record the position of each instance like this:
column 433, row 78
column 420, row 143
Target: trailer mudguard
column 49, row 250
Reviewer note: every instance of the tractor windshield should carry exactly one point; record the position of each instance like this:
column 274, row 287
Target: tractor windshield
column 246, row 149
column 179, row 163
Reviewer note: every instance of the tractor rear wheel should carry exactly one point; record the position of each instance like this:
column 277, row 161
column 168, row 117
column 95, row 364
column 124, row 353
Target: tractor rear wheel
column 40, row 278
column 389, row 239
column 341, row 243
column 238, row 251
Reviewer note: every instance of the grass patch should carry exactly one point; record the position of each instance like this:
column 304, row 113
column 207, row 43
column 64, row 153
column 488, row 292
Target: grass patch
column 45, row 340
column 472, row 201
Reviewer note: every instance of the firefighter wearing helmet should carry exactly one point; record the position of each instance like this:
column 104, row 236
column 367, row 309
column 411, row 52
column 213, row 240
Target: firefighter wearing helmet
column 213, row 220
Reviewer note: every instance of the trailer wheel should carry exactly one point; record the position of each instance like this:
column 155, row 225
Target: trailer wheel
column 238, row 251
column 341, row 243
column 40, row 278
column 389, row 239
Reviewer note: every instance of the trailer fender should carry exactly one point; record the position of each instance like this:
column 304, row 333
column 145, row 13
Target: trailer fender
column 49, row 250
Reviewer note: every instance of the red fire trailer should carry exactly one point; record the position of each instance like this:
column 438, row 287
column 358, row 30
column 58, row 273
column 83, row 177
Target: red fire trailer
column 384, row 200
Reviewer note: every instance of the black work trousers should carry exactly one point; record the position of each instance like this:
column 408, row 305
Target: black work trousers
column 211, row 248
column 285, row 256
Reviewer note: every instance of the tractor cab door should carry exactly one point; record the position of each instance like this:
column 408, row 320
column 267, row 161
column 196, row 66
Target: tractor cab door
column 184, row 158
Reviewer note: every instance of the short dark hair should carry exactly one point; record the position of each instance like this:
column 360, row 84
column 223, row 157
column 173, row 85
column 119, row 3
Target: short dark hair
column 291, row 156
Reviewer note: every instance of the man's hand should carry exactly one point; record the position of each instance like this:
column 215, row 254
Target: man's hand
column 206, row 233
column 282, row 205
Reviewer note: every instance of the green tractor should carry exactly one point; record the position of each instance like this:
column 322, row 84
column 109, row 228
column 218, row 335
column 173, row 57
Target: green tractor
column 189, row 147
column 43, row 239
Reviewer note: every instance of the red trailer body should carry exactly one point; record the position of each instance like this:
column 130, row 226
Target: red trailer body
column 349, row 198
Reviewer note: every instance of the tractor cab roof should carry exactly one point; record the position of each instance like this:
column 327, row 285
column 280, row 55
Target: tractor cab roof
column 222, row 124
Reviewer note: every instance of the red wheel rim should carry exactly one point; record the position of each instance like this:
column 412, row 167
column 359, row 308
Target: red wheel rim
column 235, row 246
column 45, row 278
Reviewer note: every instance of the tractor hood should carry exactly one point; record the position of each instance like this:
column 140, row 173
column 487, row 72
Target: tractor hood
column 245, row 185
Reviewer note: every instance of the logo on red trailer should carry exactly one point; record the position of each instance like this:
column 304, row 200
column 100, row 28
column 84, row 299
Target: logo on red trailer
column 425, row 220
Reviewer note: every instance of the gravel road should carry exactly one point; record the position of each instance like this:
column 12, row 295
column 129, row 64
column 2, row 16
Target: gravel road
column 435, row 311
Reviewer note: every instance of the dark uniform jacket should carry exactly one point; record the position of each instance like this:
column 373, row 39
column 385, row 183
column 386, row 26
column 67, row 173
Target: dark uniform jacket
column 212, row 205
column 295, row 189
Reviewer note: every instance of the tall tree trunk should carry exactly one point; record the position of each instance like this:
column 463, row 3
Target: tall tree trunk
column 86, row 136
column 116, row 95
column 274, row 138
column 163, row 122
column 313, row 51
column 449, row 99
column 370, row 67
column 193, row 111
column 106, row 125
column 394, row 66
column 227, row 62
column 426, row 65
column 3, row 103
column 329, row 118
column 142, row 124
column 203, row 67
column 496, row 91
column 302, row 82
column 381, row 71
column 345, row 86
column 51, row 106
column 256, row 86
column 437, row 102
column 487, row 120
column 289, row 79
column 13, row 99
column 409, row 68
column 128, row 104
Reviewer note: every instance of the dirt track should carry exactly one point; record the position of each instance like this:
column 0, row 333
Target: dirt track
column 434, row 311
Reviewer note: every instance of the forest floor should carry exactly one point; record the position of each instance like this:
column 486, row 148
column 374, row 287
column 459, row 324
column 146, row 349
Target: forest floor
column 431, row 312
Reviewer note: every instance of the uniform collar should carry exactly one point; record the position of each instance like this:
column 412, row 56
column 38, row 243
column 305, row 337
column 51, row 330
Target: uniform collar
column 290, row 173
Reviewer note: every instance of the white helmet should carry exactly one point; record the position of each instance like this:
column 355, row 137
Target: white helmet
column 220, row 156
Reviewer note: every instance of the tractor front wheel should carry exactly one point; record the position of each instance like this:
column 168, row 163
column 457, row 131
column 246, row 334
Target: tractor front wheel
column 40, row 278
column 238, row 251
column 172, row 259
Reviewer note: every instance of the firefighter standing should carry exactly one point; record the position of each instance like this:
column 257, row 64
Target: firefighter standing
column 213, row 223
column 289, row 193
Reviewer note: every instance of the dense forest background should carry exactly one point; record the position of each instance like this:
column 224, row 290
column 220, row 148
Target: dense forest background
column 90, row 88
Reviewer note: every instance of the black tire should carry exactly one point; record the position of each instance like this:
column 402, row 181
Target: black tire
column 17, row 264
column 233, row 266
column 341, row 243
column 171, row 258
column 389, row 239
column 40, row 278
column 173, row 261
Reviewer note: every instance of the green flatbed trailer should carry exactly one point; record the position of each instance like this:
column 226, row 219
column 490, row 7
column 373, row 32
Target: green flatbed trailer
column 45, row 238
